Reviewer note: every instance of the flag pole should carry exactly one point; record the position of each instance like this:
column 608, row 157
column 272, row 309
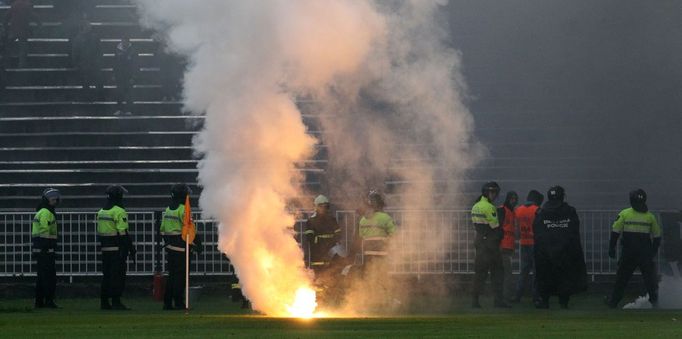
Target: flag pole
column 187, row 274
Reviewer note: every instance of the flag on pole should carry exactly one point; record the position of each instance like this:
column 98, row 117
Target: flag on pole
column 189, row 231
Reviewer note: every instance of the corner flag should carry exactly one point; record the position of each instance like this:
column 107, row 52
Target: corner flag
column 189, row 231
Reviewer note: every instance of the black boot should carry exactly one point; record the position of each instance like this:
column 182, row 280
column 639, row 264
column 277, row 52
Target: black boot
column 117, row 305
column 501, row 304
column 475, row 303
column 51, row 304
column 104, row 304
column 542, row 303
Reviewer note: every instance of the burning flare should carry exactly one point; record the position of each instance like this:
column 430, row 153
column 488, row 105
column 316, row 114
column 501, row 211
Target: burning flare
column 304, row 305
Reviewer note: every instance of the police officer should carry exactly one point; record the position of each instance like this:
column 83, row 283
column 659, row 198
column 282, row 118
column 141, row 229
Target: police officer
column 116, row 246
column 559, row 260
column 171, row 231
column 44, row 238
column 322, row 233
column 641, row 237
column 487, row 244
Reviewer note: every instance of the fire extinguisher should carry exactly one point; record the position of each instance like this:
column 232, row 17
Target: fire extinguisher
column 159, row 282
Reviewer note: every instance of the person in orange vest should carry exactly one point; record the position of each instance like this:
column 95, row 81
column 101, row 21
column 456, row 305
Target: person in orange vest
column 505, row 213
column 525, row 216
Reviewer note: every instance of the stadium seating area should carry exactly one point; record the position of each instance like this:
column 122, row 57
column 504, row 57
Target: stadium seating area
column 54, row 132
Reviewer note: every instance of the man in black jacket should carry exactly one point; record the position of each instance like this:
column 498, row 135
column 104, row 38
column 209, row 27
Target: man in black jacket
column 559, row 259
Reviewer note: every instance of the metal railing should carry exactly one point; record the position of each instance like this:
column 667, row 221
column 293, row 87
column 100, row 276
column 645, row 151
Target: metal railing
column 415, row 251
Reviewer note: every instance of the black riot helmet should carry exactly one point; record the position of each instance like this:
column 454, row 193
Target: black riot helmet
column 115, row 192
column 490, row 188
column 638, row 200
column 375, row 200
column 51, row 193
column 556, row 193
column 180, row 191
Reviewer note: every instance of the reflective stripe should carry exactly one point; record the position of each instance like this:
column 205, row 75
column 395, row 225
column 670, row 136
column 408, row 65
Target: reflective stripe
column 376, row 253
column 375, row 239
column 309, row 232
column 236, row 286
column 171, row 217
column 638, row 223
column 107, row 234
column 637, row 229
column 38, row 250
column 324, row 236
column 171, row 233
column 110, row 249
column 318, row 263
column 478, row 215
column 46, row 236
column 175, row 248
column 104, row 217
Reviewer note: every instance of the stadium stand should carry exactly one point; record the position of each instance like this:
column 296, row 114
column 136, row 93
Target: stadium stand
column 52, row 132
column 55, row 132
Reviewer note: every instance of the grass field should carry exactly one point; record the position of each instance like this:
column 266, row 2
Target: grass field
column 216, row 317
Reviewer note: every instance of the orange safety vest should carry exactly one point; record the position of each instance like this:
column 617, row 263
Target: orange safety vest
column 508, row 229
column 525, row 214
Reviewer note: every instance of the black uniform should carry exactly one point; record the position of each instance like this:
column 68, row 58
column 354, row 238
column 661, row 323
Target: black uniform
column 322, row 233
column 559, row 259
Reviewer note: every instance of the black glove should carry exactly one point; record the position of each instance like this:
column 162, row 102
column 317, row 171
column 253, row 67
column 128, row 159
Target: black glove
column 197, row 246
column 613, row 241
column 656, row 244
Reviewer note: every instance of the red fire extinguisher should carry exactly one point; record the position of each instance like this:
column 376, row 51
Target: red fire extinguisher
column 159, row 287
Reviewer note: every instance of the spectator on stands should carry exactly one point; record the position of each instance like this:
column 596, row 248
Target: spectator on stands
column 124, row 66
column 18, row 22
column 86, row 54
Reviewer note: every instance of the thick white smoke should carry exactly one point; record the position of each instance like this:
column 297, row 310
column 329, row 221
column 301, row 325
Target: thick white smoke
column 248, row 61
column 389, row 94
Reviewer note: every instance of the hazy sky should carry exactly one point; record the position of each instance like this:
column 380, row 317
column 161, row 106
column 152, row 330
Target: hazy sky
column 589, row 90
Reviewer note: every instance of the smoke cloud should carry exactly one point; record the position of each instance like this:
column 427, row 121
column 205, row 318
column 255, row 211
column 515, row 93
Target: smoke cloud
column 388, row 95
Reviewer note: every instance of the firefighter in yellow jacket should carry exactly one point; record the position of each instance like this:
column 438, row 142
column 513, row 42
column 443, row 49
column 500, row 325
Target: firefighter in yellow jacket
column 375, row 228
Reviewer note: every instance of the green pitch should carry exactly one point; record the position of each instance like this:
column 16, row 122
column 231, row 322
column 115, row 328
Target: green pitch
column 217, row 317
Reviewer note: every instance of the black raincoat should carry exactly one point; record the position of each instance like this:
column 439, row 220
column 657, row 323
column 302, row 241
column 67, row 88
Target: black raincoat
column 559, row 259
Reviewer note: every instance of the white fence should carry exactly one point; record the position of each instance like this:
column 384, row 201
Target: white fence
column 78, row 250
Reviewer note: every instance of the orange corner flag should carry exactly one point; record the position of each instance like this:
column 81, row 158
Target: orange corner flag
column 188, row 229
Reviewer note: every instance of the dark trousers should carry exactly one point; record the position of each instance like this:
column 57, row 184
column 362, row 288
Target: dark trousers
column 46, row 281
column 509, row 290
column 488, row 259
column 626, row 267
column 527, row 266
column 113, row 275
column 175, row 286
